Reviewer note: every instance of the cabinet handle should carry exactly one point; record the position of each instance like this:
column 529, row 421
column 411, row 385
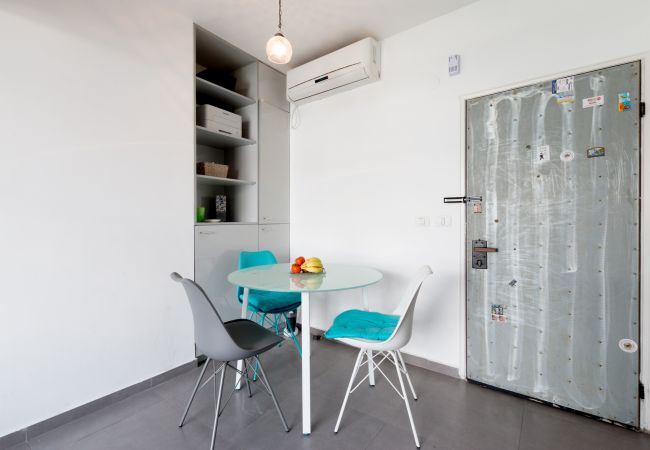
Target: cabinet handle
column 206, row 232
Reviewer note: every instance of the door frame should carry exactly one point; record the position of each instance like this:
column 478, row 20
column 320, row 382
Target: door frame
column 644, row 288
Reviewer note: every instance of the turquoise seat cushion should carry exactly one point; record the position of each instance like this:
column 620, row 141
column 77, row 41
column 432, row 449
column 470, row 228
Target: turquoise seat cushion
column 369, row 325
column 272, row 302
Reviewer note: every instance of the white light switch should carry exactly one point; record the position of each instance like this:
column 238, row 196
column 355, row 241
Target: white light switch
column 422, row 221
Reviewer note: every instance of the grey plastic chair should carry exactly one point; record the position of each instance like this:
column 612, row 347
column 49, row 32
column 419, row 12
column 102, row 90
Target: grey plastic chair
column 235, row 340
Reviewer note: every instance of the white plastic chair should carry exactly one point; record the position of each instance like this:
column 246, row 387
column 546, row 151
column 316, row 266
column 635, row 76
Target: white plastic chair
column 390, row 348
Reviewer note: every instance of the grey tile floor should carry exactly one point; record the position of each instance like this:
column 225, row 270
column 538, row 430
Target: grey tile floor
column 450, row 414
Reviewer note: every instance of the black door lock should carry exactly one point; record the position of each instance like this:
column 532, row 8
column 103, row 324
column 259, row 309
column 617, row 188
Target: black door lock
column 480, row 251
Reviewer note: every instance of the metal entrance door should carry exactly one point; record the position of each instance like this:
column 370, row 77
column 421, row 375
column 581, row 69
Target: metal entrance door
column 553, row 243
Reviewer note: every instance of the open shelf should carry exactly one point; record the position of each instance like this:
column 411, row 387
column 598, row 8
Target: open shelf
column 223, row 95
column 219, row 140
column 222, row 181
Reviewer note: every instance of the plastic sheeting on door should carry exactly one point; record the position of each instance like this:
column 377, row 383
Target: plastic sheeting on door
column 557, row 166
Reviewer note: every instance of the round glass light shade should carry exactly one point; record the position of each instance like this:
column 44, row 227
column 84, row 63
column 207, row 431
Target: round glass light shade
column 278, row 49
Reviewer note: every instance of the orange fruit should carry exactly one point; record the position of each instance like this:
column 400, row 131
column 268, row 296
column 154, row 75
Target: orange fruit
column 300, row 260
column 295, row 268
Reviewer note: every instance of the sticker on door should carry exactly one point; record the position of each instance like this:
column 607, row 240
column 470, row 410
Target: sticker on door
column 590, row 102
column 498, row 313
column 543, row 154
column 624, row 102
column 567, row 155
column 595, row 152
column 562, row 85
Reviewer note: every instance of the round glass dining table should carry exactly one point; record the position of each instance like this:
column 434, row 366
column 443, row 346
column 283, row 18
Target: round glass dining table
column 278, row 278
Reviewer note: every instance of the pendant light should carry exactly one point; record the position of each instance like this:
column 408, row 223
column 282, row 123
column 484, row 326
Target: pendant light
column 278, row 48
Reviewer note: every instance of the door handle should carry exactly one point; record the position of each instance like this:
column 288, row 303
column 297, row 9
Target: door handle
column 462, row 199
column 485, row 249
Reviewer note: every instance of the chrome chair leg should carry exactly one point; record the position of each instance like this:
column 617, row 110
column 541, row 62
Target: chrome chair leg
column 216, row 410
column 292, row 332
column 248, row 383
column 270, row 389
column 196, row 388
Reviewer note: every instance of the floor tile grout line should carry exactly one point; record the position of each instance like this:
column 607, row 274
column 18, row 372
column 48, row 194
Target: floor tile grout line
column 521, row 426
column 369, row 446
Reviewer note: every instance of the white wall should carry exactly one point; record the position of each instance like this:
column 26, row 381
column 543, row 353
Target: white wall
column 96, row 155
column 366, row 162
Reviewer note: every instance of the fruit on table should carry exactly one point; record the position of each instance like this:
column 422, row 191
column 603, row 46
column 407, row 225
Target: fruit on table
column 312, row 265
column 309, row 265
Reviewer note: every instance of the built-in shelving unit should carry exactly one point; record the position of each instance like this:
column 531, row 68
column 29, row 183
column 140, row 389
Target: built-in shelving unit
column 221, row 94
column 217, row 181
column 219, row 140
column 257, row 183
column 240, row 154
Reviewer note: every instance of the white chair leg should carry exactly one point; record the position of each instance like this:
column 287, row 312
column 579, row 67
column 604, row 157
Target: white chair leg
column 347, row 392
column 408, row 378
column 406, row 400
column 371, row 368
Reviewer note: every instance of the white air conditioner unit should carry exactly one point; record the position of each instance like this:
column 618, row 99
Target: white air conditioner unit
column 344, row 69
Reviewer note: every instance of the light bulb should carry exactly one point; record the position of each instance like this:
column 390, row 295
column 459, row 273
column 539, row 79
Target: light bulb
column 278, row 49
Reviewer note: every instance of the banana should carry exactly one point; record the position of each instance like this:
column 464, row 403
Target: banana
column 312, row 265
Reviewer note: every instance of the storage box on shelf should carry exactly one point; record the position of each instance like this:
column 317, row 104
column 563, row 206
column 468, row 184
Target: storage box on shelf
column 219, row 120
column 220, row 140
column 212, row 169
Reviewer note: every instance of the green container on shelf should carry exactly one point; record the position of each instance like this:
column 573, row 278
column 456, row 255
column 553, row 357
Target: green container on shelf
column 200, row 214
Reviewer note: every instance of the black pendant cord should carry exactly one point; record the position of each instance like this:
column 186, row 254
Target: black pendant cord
column 280, row 15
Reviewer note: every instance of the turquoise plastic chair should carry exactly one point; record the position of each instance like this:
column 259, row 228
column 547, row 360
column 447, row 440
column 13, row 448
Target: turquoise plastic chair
column 269, row 308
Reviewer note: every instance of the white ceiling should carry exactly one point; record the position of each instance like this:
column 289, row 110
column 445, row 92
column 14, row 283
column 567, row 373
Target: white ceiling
column 314, row 27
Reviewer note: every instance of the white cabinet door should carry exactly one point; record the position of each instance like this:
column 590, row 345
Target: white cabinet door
column 276, row 239
column 273, row 178
column 216, row 254
column 273, row 87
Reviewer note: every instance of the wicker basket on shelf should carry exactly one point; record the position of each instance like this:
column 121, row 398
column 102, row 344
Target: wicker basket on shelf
column 212, row 169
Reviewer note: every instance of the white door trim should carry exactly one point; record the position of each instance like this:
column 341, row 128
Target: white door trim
column 644, row 314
